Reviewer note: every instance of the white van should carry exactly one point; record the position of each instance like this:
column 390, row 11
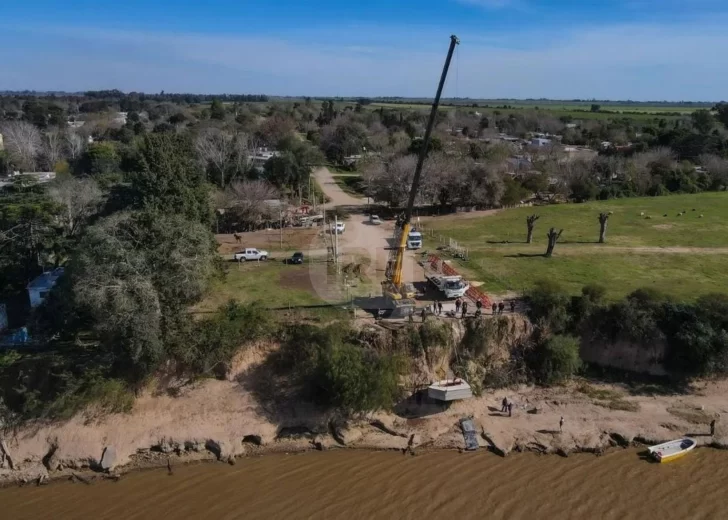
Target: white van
column 414, row 240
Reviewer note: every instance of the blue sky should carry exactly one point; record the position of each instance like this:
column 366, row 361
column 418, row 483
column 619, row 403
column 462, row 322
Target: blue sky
column 608, row 49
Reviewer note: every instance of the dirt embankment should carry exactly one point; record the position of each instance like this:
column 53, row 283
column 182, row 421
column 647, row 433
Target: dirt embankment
column 223, row 420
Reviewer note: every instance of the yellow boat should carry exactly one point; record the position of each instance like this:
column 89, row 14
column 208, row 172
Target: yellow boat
column 672, row 450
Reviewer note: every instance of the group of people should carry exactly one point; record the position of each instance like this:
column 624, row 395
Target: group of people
column 461, row 308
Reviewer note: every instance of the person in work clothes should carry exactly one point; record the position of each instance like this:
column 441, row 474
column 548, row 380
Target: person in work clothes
column 513, row 306
column 478, row 304
column 458, row 303
column 561, row 424
column 494, row 307
column 504, row 404
column 439, row 308
column 501, row 306
column 465, row 309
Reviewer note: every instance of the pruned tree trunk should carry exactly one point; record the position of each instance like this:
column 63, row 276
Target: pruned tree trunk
column 553, row 237
column 603, row 217
column 530, row 224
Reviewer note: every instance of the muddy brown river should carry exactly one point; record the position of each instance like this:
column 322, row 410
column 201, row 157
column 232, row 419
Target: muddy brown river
column 358, row 484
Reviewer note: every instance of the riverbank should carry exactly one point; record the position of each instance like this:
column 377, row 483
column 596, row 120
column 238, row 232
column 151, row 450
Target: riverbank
column 223, row 420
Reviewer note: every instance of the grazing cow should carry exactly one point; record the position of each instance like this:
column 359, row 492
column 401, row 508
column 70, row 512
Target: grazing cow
column 238, row 238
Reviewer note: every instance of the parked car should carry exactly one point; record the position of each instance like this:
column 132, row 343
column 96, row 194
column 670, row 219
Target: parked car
column 375, row 220
column 250, row 253
column 297, row 258
column 338, row 228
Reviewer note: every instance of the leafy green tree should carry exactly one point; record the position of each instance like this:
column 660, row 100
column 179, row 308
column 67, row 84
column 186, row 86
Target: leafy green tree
column 217, row 110
column 703, row 121
column 557, row 359
column 435, row 145
column 549, row 305
column 134, row 274
column 100, row 159
column 596, row 108
column 722, row 113
column 513, row 193
column 168, row 179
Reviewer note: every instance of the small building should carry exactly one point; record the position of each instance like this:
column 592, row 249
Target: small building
column 39, row 288
column 540, row 141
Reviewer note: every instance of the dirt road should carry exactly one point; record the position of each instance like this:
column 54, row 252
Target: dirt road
column 362, row 239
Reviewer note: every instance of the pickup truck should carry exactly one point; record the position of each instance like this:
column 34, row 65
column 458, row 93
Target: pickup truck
column 450, row 286
column 338, row 228
column 250, row 253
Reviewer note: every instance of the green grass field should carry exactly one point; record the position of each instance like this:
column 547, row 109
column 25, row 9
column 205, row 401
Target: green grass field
column 272, row 283
column 575, row 110
column 684, row 256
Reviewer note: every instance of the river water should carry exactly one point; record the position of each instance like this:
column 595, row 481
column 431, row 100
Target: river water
column 358, row 484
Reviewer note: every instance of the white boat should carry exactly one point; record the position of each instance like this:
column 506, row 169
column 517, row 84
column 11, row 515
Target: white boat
column 672, row 450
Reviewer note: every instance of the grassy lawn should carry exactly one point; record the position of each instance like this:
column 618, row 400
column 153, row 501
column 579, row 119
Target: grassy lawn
column 681, row 275
column 503, row 262
column 350, row 183
column 626, row 226
column 273, row 284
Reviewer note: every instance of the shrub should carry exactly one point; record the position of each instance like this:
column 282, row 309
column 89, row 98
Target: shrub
column 557, row 359
column 549, row 305
column 355, row 380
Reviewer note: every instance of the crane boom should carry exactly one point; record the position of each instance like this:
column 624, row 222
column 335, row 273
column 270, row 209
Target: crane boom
column 396, row 271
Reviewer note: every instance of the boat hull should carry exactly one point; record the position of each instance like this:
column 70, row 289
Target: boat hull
column 673, row 450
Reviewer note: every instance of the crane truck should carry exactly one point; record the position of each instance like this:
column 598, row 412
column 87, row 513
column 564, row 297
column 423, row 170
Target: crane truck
column 398, row 293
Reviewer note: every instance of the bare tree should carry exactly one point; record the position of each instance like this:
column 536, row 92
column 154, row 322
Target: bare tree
column 603, row 218
column 75, row 145
column 530, row 224
column 717, row 167
column 53, row 147
column 80, row 199
column 225, row 152
column 247, row 199
column 23, row 143
column 553, row 237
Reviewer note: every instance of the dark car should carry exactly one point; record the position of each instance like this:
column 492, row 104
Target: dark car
column 297, row 258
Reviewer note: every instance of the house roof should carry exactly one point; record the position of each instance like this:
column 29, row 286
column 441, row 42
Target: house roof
column 46, row 280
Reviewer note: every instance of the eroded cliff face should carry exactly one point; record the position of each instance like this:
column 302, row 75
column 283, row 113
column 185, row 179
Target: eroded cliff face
column 626, row 355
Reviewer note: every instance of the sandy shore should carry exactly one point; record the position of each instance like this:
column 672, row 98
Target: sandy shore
column 222, row 420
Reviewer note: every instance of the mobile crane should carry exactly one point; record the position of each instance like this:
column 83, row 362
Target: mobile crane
column 399, row 293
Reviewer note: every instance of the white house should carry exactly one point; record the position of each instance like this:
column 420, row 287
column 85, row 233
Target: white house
column 39, row 288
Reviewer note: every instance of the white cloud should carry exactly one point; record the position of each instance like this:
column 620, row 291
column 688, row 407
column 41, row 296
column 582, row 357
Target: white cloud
column 627, row 61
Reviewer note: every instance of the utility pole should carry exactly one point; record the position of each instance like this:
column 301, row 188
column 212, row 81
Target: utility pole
column 281, row 225
column 336, row 242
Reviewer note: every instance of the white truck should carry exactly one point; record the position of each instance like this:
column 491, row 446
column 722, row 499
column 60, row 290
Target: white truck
column 451, row 286
column 250, row 253
column 414, row 240
column 338, row 228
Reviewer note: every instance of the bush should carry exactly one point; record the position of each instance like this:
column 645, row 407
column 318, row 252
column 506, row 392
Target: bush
column 549, row 306
column 205, row 347
column 557, row 359
column 330, row 370
column 354, row 380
